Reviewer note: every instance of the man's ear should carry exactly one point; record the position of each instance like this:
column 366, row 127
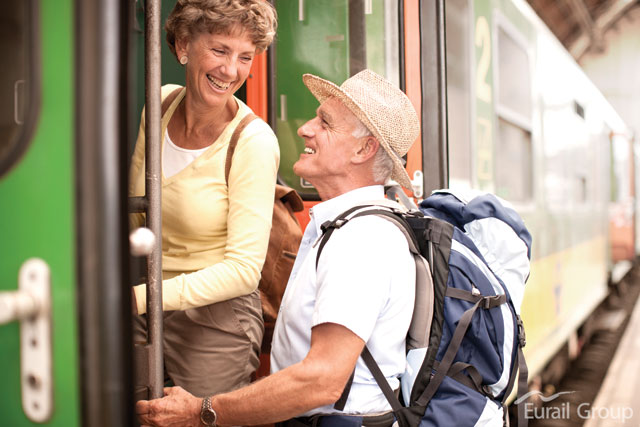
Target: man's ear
column 366, row 150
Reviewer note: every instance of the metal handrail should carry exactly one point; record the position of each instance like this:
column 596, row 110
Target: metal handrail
column 153, row 176
column 149, row 355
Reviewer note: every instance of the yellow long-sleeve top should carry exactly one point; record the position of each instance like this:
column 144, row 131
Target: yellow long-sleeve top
column 214, row 236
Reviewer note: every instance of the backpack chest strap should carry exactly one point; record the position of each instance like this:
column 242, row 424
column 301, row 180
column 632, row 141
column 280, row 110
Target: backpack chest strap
column 488, row 302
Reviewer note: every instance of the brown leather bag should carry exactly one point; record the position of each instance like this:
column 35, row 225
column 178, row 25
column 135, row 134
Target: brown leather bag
column 284, row 240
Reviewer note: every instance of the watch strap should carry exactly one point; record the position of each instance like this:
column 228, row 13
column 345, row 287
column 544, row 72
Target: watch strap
column 207, row 415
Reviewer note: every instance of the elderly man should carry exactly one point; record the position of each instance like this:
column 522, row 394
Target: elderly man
column 360, row 292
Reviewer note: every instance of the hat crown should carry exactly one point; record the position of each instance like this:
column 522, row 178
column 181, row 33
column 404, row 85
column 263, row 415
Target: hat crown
column 382, row 107
column 387, row 107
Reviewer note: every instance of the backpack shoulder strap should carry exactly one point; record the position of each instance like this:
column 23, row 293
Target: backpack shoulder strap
column 234, row 142
column 384, row 210
column 423, row 311
column 388, row 212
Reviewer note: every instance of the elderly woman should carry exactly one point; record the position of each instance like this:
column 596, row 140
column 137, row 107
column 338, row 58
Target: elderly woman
column 214, row 232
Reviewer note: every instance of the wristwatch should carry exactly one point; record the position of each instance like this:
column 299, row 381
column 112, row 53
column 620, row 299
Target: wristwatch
column 207, row 415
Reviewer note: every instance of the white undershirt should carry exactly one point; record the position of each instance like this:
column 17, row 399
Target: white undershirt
column 175, row 158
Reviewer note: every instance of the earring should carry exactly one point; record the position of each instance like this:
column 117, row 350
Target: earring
column 184, row 59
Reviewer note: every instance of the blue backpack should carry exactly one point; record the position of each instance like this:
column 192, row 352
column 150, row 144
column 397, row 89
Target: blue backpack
column 464, row 345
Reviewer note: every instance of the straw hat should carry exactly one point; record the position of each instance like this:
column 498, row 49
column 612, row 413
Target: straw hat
column 383, row 108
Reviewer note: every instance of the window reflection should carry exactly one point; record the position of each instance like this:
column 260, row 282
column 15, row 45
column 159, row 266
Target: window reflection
column 515, row 80
column 513, row 152
column 16, row 81
column 513, row 162
column 458, row 91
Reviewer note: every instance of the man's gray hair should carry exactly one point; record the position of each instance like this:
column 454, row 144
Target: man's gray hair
column 382, row 163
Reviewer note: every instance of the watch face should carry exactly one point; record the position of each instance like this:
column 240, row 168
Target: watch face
column 208, row 417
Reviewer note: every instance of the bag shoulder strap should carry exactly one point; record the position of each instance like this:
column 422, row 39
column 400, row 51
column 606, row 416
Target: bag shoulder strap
column 234, row 142
column 166, row 102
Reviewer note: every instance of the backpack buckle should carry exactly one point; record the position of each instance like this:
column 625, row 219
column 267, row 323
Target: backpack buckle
column 522, row 337
column 486, row 390
column 492, row 301
column 333, row 224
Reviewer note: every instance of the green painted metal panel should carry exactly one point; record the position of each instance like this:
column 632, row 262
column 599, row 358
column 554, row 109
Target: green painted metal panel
column 37, row 199
column 316, row 40
column 376, row 38
column 317, row 44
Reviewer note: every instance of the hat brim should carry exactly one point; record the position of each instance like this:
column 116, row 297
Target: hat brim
column 324, row 89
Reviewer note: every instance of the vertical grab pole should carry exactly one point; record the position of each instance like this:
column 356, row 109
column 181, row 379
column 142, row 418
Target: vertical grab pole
column 443, row 136
column 357, row 37
column 434, row 95
column 153, row 193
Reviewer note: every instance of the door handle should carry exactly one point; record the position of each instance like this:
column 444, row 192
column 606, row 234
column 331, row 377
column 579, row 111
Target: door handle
column 17, row 118
column 31, row 306
column 283, row 107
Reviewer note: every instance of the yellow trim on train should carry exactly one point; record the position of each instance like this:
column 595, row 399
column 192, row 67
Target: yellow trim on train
column 563, row 290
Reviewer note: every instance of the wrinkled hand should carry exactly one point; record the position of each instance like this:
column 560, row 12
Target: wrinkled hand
column 178, row 407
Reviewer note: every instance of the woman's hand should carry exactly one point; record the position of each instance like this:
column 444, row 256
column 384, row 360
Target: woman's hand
column 178, row 407
column 134, row 303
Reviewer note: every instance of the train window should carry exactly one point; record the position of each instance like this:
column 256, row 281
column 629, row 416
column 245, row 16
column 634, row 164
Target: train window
column 621, row 156
column 513, row 152
column 514, row 83
column 458, row 26
column 513, row 147
column 333, row 39
column 19, row 82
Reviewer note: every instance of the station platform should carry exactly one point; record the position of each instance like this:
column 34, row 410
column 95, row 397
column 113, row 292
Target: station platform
column 618, row 401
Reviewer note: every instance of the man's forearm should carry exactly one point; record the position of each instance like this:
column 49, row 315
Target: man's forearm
column 278, row 397
column 316, row 381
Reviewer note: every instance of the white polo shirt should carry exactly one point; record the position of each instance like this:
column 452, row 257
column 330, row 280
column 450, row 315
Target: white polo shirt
column 365, row 282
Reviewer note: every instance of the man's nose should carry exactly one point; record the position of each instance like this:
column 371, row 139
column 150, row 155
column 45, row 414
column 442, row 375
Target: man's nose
column 305, row 130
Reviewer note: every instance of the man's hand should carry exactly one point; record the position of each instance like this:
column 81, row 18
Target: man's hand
column 178, row 407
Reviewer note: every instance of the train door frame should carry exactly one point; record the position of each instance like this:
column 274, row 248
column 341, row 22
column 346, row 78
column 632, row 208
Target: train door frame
column 102, row 46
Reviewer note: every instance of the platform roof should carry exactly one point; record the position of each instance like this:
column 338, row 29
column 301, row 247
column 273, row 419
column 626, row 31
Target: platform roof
column 580, row 24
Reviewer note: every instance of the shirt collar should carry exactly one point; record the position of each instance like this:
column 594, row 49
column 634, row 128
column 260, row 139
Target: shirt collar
column 329, row 209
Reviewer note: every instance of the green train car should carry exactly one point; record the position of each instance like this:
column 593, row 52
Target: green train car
column 503, row 106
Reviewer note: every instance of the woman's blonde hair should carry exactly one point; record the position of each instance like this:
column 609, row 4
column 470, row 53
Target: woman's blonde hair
column 192, row 17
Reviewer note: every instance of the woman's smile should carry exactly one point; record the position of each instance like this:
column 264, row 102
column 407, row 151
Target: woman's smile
column 218, row 84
